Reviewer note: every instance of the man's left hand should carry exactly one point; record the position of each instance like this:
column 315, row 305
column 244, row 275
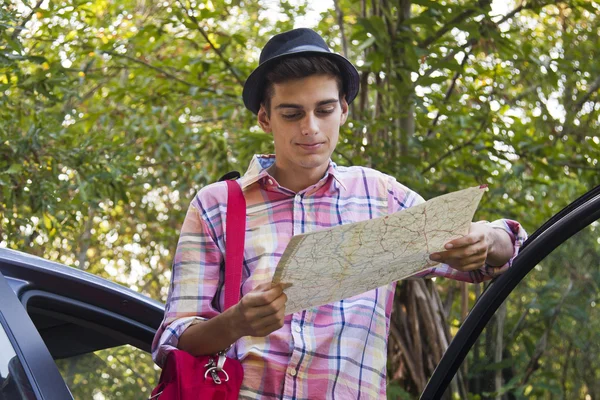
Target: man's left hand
column 470, row 252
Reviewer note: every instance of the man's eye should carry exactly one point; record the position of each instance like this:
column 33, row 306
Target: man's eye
column 326, row 111
column 290, row 116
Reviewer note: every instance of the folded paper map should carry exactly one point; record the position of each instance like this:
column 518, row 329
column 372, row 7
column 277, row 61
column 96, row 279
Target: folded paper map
column 337, row 263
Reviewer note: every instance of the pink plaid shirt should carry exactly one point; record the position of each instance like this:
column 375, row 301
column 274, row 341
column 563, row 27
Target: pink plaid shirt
column 333, row 351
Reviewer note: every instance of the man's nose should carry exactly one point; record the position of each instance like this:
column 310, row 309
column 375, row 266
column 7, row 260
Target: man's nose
column 309, row 125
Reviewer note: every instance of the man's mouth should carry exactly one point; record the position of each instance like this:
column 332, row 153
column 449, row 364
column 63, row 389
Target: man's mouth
column 310, row 146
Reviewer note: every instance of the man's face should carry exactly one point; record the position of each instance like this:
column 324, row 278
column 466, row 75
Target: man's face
column 305, row 119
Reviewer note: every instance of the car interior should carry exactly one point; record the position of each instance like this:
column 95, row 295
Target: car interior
column 70, row 328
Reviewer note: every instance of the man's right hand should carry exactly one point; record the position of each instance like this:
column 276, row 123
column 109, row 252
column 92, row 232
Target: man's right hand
column 260, row 311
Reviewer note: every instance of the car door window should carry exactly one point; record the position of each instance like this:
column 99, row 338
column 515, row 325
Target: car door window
column 13, row 380
column 544, row 341
column 122, row 372
column 90, row 346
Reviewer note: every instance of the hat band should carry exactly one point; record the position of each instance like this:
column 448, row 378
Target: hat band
column 306, row 47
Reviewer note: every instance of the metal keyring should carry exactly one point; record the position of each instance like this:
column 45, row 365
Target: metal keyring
column 209, row 370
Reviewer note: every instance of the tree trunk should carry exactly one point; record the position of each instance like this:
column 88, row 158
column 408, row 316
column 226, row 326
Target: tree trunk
column 406, row 119
column 419, row 336
column 419, row 330
column 500, row 318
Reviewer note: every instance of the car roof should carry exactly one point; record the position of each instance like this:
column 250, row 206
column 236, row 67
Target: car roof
column 33, row 272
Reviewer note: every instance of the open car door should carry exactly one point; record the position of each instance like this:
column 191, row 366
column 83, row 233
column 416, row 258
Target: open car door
column 535, row 331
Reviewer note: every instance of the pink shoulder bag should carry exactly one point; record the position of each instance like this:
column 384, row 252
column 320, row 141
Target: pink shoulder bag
column 185, row 377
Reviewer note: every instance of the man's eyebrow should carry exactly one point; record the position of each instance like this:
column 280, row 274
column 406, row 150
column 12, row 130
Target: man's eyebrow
column 298, row 106
column 289, row 105
column 328, row 101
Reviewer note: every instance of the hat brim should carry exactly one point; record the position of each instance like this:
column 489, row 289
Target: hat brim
column 255, row 84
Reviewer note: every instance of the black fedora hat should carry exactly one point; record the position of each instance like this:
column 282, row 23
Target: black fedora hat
column 297, row 42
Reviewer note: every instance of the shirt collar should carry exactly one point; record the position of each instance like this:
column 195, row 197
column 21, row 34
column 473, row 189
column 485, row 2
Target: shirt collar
column 260, row 162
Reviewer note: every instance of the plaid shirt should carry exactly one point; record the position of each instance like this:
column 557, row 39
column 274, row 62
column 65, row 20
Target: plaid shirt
column 332, row 351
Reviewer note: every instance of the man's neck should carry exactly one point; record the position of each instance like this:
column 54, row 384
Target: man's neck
column 296, row 180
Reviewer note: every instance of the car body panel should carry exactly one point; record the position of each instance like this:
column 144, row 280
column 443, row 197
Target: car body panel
column 37, row 362
column 56, row 278
column 61, row 312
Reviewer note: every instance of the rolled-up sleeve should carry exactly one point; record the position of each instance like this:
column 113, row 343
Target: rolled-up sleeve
column 194, row 281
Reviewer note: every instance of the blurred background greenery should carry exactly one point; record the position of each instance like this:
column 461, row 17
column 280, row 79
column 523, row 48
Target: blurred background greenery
column 114, row 113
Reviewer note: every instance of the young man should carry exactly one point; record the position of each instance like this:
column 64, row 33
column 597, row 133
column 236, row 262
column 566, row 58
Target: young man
column 300, row 93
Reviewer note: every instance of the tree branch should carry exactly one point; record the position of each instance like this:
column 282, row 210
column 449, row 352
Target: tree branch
column 563, row 379
column 132, row 368
column 165, row 73
column 433, row 330
column 540, row 347
column 457, row 148
column 593, row 88
column 464, row 15
column 447, row 154
column 405, row 350
column 448, row 26
column 448, row 56
column 523, row 6
column 575, row 166
column 85, row 238
column 192, row 18
column 25, row 20
column 500, row 318
column 93, row 90
column 415, row 331
column 518, row 327
column 448, row 92
column 340, row 17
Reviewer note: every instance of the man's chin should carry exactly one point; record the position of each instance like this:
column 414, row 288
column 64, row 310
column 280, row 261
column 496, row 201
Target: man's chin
column 314, row 161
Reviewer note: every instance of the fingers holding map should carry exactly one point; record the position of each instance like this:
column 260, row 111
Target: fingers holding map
column 332, row 264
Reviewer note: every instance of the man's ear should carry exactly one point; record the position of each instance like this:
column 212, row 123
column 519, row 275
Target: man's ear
column 344, row 105
column 263, row 119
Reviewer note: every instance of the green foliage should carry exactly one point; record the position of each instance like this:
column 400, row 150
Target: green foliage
column 396, row 392
column 497, row 101
column 118, row 373
column 113, row 113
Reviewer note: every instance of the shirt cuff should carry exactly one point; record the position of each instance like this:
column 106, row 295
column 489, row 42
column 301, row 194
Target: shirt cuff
column 517, row 235
column 170, row 337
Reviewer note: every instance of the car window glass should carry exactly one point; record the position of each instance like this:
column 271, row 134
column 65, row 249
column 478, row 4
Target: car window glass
column 544, row 341
column 14, row 383
column 123, row 372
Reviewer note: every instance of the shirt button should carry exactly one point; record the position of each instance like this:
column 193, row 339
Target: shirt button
column 291, row 371
column 270, row 181
column 298, row 329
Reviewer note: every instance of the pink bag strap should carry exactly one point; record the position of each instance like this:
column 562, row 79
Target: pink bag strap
column 235, row 232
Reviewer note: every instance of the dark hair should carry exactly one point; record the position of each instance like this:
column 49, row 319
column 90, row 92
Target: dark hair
column 291, row 68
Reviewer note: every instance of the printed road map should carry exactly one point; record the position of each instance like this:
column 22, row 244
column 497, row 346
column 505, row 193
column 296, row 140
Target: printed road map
column 326, row 266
